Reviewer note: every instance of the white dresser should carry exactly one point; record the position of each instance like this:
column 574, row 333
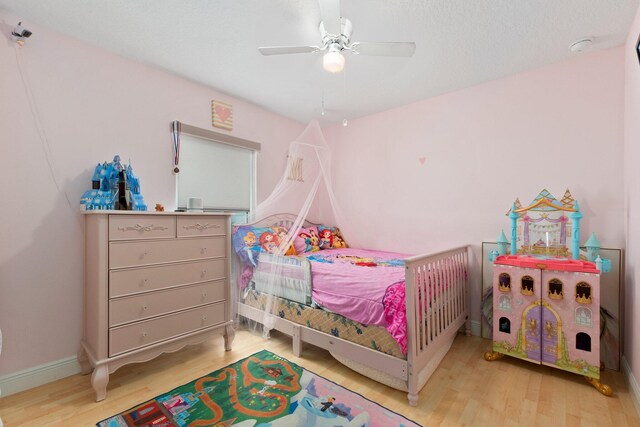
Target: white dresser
column 154, row 282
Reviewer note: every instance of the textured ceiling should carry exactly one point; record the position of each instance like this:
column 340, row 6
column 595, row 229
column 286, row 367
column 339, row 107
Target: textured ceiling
column 460, row 43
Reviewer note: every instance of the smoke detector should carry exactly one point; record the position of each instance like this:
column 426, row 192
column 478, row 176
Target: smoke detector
column 581, row 45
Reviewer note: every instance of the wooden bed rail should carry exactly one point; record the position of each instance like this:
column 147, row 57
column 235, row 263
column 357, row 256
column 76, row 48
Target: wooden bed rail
column 437, row 292
column 436, row 255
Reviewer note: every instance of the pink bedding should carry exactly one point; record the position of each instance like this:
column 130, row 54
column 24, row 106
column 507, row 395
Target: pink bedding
column 363, row 285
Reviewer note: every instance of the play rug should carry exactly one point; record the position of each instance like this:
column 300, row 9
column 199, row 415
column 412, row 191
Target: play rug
column 261, row 390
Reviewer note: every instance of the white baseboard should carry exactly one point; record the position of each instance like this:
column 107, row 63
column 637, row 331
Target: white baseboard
column 475, row 328
column 634, row 388
column 38, row 375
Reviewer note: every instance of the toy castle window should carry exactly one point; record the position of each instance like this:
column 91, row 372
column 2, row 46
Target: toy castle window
column 505, row 325
column 583, row 316
column 583, row 341
column 504, row 282
column 526, row 285
column 505, row 303
column 583, row 293
column 555, row 289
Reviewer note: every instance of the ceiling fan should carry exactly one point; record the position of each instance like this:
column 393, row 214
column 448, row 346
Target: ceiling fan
column 335, row 34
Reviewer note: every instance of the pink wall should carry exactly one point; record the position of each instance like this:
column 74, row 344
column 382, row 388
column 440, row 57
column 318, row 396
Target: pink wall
column 477, row 144
column 632, row 198
column 555, row 127
column 92, row 104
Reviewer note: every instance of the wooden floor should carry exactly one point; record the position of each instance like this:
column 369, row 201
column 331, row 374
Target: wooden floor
column 465, row 390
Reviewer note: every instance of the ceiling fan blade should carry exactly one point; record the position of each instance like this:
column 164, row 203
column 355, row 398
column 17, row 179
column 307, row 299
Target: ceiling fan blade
column 284, row 50
column 330, row 15
column 384, row 49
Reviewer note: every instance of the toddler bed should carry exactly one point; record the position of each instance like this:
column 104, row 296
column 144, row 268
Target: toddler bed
column 396, row 315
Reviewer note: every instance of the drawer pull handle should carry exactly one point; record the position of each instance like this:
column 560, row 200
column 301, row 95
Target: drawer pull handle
column 145, row 307
column 144, row 282
column 204, row 318
column 203, row 250
column 204, row 295
column 145, row 334
column 200, row 227
column 204, row 273
column 144, row 254
column 330, row 342
column 143, row 228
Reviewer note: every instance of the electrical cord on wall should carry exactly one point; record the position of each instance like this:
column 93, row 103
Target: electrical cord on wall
column 44, row 141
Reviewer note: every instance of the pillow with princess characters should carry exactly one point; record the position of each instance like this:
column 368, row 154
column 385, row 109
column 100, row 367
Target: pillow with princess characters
column 330, row 238
column 338, row 240
column 326, row 235
column 249, row 242
column 307, row 240
column 312, row 239
column 281, row 233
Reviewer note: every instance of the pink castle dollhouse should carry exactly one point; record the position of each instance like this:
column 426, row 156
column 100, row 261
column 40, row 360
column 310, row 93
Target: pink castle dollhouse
column 546, row 298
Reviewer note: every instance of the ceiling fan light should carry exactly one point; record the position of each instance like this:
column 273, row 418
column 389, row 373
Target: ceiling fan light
column 333, row 61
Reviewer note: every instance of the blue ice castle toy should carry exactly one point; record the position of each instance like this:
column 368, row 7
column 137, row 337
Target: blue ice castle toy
column 114, row 187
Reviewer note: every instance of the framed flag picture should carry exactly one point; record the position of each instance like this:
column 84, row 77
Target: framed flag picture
column 222, row 115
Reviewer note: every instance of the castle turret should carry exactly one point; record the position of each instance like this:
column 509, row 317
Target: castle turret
column 502, row 243
column 575, row 241
column 514, row 231
column 95, row 180
column 593, row 248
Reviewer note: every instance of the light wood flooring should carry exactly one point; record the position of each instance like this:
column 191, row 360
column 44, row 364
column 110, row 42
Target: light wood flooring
column 465, row 390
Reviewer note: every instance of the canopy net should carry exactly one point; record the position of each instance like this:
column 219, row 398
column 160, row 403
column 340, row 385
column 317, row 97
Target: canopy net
column 300, row 215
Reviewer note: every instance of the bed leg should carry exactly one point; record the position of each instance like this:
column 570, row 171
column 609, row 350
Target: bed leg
column 229, row 335
column 297, row 342
column 412, row 387
column 467, row 327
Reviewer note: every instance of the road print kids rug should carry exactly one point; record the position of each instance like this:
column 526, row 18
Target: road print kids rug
column 261, row 390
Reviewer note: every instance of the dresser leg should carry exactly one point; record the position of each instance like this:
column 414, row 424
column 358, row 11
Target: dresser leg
column 99, row 381
column 83, row 360
column 413, row 399
column 229, row 335
column 493, row 355
column 602, row 388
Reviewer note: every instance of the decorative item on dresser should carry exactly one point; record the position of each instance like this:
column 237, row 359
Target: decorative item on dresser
column 154, row 283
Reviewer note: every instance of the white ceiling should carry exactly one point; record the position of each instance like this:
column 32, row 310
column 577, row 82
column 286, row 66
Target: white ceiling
column 460, row 43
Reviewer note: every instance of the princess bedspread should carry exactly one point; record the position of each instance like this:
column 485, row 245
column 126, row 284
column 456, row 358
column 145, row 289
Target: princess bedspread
column 362, row 285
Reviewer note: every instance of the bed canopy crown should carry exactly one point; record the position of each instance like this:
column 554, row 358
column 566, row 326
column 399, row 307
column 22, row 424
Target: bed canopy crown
column 304, row 190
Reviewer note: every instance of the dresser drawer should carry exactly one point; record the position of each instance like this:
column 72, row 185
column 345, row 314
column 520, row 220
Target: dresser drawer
column 131, row 254
column 144, row 279
column 190, row 226
column 147, row 332
column 127, row 227
column 144, row 306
